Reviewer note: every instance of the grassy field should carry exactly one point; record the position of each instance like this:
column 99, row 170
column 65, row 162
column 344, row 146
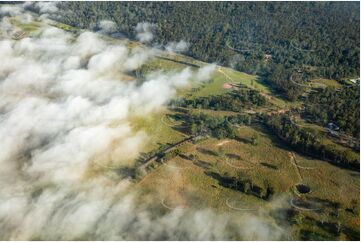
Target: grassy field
column 222, row 75
column 189, row 182
column 215, row 87
column 26, row 27
column 157, row 127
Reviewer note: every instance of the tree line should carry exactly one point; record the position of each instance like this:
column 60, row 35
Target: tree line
column 234, row 101
column 339, row 106
column 307, row 142
column 323, row 36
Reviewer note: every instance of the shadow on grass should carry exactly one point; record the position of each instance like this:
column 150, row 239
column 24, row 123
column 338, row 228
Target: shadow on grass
column 179, row 61
column 202, row 164
column 245, row 186
column 126, row 172
column 206, row 151
column 269, row 165
column 243, row 140
column 233, row 156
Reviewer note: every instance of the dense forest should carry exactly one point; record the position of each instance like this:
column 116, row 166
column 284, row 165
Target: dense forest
column 286, row 44
column 337, row 106
column 308, row 143
column 255, row 37
column 234, row 101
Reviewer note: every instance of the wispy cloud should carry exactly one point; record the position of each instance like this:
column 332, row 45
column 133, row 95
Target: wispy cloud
column 180, row 46
column 65, row 106
column 145, row 32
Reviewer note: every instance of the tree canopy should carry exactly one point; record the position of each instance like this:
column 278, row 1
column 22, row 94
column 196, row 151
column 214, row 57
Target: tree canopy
column 255, row 37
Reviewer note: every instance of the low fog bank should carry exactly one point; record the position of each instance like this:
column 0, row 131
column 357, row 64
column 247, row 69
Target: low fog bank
column 65, row 104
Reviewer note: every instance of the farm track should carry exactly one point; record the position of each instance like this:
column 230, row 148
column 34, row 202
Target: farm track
column 294, row 163
column 226, row 75
column 233, row 84
column 239, row 50
column 241, row 209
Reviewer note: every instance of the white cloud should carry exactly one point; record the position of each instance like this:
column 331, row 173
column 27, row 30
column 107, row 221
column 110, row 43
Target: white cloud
column 65, row 114
column 205, row 73
column 107, row 26
column 88, row 44
column 47, row 7
column 180, row 46
column 10, row 10
column 145, row 32
column 108, row 60
column 42, row 7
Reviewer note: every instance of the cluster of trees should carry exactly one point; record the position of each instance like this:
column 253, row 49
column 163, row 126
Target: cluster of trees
column 321, row 35
column 218, row 127
column 240, row 119
column 306, row 142
column 201, row 124
column 170, row 155
column 233, row 101
column 288, row 81
column 341, row 107
column 243, row 185
column 145, row 156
